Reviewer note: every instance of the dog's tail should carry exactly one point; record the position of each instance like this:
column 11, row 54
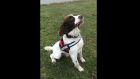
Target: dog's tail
column 48, row 48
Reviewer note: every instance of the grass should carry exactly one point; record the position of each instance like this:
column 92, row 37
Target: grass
column 51, row 19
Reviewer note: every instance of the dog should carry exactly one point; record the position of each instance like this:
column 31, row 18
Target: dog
column 71, row 42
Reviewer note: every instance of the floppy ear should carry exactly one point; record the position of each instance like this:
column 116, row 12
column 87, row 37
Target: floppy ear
column 69, row 19
column 68, row 16
column 67, row 25
column 63, row 29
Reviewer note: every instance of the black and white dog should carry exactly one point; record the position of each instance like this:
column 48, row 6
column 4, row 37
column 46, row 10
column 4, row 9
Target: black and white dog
column 71, row 42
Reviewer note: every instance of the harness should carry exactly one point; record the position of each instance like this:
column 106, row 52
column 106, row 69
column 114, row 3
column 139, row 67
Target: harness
column 66, row 47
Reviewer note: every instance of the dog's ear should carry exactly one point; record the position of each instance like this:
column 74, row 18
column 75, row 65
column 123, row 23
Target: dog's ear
column 68, row 16
column 67, row 25
column 63, row 29
column 69, row 19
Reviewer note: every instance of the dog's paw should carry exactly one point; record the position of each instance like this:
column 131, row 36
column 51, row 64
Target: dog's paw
column 82, row 60
column 81, row 69
column 53, row 61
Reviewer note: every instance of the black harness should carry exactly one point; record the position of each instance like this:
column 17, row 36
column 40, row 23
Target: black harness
column 66, row 47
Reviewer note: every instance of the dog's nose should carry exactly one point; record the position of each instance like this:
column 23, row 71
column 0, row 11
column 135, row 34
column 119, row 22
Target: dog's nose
column 80, row 17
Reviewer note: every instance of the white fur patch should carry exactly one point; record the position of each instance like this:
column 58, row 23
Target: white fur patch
column 77, row 20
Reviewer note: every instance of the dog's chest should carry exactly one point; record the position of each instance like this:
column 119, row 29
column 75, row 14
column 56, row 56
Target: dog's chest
column 80, row 44
column 77, row 43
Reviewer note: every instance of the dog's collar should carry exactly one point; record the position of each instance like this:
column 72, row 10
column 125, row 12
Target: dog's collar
column 70, row 36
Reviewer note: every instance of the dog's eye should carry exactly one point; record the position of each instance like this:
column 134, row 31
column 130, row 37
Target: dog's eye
column 80, row 17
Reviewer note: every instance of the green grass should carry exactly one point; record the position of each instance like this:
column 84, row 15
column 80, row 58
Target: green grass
column 51, row 19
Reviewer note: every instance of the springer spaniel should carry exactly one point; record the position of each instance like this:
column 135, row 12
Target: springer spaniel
column 70, row 43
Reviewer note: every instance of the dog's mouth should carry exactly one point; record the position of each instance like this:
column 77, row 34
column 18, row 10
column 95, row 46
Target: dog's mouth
column 79, row 23
column 81, row 19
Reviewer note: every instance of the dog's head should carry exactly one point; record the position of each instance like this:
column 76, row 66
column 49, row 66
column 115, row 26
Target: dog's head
column 70, row 22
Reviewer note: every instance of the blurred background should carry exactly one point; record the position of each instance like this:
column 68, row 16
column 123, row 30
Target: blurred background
column 54, row 1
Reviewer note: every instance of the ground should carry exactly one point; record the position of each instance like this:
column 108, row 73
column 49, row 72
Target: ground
column 51, row 17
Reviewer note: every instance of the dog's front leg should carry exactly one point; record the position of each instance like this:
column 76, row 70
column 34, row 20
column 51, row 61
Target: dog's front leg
column 75, row 61
column 81, row 56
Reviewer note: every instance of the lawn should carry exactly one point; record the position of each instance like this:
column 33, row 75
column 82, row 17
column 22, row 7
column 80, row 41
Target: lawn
column 51, row 17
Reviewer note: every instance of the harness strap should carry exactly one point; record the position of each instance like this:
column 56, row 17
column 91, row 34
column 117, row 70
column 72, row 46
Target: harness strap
column 75, row 43
column 67, row 47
